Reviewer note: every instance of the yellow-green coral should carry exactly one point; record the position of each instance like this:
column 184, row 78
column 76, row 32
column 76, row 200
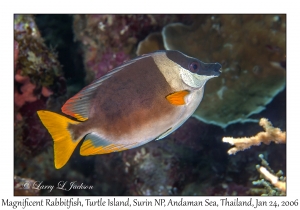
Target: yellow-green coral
column 274, row 184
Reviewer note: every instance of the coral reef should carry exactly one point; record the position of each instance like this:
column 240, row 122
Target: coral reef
column 34, row 59
column 38, row 83
column 270, row 134
column 149, row 174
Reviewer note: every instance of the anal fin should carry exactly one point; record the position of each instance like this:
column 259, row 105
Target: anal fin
column 96, row 145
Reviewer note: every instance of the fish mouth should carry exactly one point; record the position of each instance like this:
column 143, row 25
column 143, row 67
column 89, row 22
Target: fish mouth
column 210, row 69
column 215, row 69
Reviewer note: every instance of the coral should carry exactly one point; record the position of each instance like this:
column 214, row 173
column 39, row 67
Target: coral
column 274, row 184
column 34, row 58
column 152, row 42
column 270, row 134
column 281, row 185
column 251, row 49
column 26, row 90
column 154, row 171
column 37, row 81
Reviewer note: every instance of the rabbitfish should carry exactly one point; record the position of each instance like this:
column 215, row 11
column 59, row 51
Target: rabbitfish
column 144, row 99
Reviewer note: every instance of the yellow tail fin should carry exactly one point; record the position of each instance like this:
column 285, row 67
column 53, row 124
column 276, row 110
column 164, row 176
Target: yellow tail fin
column 64, row 145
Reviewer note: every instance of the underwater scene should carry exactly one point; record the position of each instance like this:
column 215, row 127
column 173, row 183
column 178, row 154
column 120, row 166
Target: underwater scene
column 162, row 104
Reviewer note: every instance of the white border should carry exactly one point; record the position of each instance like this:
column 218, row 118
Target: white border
column 216, row 6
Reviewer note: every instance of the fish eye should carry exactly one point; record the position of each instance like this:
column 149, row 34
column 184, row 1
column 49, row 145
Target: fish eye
column 194, row 67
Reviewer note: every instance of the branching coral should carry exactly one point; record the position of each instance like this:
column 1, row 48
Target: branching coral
column 270, row 134
column 281, row 185
column 274, row 184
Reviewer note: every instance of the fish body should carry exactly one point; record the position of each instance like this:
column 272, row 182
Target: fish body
column 144, row 99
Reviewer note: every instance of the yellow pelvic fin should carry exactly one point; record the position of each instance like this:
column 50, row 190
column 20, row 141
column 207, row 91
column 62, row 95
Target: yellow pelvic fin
column 88, row 148
column 177, row 98
column 64, row 145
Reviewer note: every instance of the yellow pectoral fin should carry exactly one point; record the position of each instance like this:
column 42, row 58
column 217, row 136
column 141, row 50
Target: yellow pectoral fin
column 177, row 98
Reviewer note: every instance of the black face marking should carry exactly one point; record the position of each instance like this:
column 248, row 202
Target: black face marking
column 194, row 65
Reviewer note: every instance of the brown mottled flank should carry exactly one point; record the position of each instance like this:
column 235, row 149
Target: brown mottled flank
column 129, row 99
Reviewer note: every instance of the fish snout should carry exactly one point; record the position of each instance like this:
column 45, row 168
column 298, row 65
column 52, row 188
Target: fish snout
column 210, row 69
column 217, row 69
column 214, row 69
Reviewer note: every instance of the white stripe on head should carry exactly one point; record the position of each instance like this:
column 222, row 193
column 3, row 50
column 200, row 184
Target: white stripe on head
column 192, row 79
